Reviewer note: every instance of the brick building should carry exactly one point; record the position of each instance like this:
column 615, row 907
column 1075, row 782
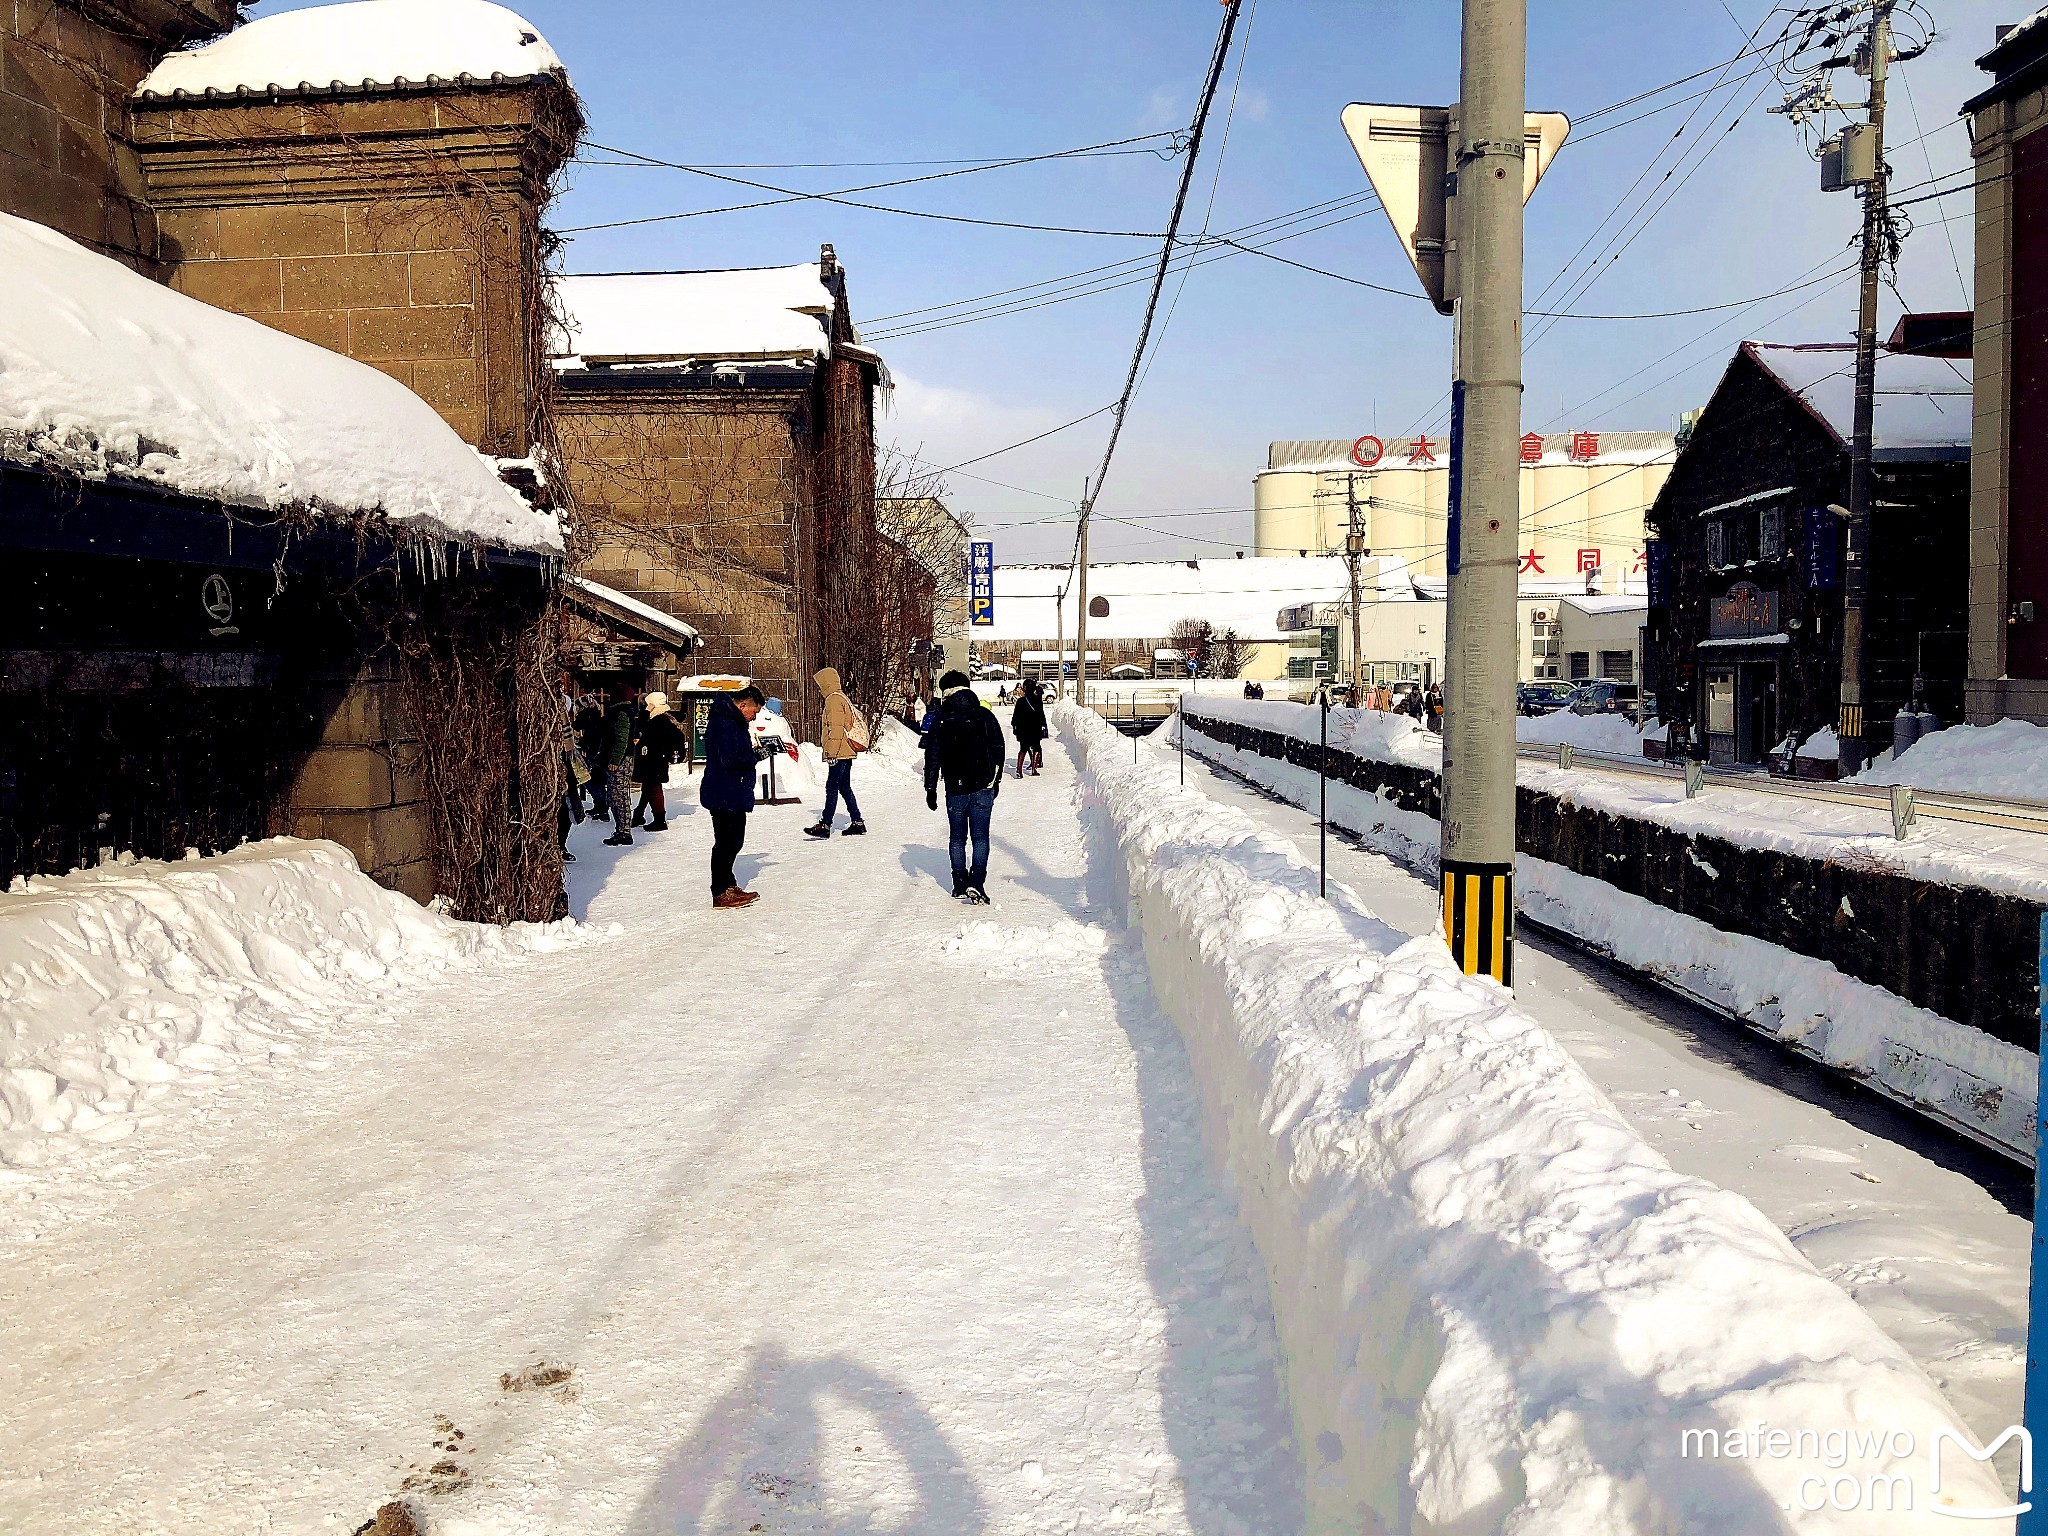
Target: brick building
column 1744, row 640
column 717, row 432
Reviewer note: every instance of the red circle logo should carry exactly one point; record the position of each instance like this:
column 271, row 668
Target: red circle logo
column 1367, row 452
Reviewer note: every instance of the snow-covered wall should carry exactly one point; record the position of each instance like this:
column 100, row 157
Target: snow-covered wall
column 1501, row 1310
column 119, row 982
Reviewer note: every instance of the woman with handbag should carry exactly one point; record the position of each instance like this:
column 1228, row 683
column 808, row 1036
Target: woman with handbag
column 845, row 735
column 660, row 743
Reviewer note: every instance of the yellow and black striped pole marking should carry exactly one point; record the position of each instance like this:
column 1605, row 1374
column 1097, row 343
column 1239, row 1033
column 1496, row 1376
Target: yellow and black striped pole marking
column 1479, row 918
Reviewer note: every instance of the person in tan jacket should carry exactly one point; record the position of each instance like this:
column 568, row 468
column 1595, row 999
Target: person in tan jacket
column 845, row 734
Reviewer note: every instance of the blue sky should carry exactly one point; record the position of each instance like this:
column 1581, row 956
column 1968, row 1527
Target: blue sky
column 1254, row 351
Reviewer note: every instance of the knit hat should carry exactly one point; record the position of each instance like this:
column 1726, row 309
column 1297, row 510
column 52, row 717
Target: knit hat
column 954, row 679
column 657, row 704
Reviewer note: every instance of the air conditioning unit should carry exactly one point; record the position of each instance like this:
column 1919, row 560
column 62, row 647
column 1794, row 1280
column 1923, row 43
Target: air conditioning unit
column 1540, row 616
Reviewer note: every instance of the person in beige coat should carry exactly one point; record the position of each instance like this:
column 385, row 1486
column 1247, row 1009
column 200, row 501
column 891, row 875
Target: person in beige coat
column 845, row 734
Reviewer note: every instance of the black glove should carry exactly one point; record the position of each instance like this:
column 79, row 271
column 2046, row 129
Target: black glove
column 931, row 799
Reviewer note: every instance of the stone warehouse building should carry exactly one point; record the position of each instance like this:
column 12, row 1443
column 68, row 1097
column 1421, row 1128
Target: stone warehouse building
column 369, row 177
column 718, row 435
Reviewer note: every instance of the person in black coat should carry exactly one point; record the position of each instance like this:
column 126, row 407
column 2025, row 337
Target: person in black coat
column 590, row 742
column 660, row 743
column 1028, row 724
column 615, row 747
column 967, row 749
column 731, row 764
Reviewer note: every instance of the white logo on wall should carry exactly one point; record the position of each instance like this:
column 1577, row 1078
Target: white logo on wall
column 218, row 599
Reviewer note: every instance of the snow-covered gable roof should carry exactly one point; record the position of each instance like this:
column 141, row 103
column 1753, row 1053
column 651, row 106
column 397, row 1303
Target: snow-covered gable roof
column 1923, row 403
column 1333, row 455
column 662, row 318
column 1148, row 597
column 361, row 43
column 666, row 624
column 107, row 375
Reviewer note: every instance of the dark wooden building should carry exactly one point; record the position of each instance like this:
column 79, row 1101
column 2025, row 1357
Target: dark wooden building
column 1743, row 646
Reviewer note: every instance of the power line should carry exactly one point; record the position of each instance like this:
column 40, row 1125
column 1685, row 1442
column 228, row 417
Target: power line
column 794, row 195
column 983, row 161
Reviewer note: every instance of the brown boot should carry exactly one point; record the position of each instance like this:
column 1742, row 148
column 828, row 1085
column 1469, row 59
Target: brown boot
column 733, row 899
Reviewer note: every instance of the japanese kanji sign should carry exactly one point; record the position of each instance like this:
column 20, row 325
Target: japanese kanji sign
column 1531, row 563
column 1532, row 448
column 1585, row 445
column 981, row 592
column 1589, row 560
column 1423, row 452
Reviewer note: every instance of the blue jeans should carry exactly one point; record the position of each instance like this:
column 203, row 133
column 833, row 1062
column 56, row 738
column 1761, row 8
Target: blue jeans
column 968, row 814
column 838, row 785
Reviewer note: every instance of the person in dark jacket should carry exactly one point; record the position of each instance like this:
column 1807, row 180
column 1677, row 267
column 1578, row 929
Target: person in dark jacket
column 1029, row 725
column 615, row 746
column 661, row 742
column 731, row 764
column 967, row 749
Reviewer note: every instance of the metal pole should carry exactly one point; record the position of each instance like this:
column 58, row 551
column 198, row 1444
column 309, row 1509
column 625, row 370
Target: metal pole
column 1059, row 645
column 1485, row 510
column 1855, row 570
column 2034, row 1403
column 1354, row 550
column 1323, row 806
column 1181, row 721
column 1081, row 612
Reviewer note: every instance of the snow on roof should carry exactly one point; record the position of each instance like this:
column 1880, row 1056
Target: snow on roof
column 360, row 43
column 1148, row 597
column 654, row 618
column 107, row 375
column 752, row 312
column 1923, row 403
column 1616, row 603
column 1333, row 455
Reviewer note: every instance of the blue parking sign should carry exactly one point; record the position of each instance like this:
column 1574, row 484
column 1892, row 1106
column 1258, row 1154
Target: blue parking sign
column 981, row 593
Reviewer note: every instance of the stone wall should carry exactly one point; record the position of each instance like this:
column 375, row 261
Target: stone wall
column 1966, row 953
column 66, row 73
column 400, row 228
column 691, row 500
column 360, row 785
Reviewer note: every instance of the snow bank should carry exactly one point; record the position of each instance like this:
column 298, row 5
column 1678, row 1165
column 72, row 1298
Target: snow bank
column 362, row 43
column 1501, row 1311
column 1613, row 734
column 118, row 982
column 2007, row 760
column 1381, row 735
column 107, row 375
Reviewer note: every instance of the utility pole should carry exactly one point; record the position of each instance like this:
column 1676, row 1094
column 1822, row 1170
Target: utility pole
column 1855, row 567
column 1354, row 551
column 1485, row 511
column 1081, row 612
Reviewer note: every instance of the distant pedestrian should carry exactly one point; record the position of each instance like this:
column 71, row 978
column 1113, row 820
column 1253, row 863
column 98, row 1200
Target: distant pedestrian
column 732, row 763
column 1029, row 726
column 1435, row 707
column 967, row 749
column 845, row 735
column 661, row 742
column 590, row 741
column 621, row 730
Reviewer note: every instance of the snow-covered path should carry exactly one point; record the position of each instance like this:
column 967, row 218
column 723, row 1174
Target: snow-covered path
column 1930, row 1252
column 848, row 1212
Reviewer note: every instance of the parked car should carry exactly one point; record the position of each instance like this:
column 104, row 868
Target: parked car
column 1604, row 698
column 1541, row 698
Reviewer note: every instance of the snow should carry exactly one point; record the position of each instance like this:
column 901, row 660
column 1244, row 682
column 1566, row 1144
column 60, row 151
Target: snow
column 1947, row 852
column 666, row 623
column 662, row 317
column 1499, row 1307
column 2006, row 760
column 1823, row 746
column 360, row 43
column 119, row 983
column 1931, row 1239
column 1922, row 402
column 1613, row 734
column 855, row 1211
column 1148, row 597
column 111, row 377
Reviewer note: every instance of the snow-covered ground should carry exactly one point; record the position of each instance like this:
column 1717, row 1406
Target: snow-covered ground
column 857, row 1210
column 2008, row 760
column 1930, row 1238
column 2014, row 862
column 1616, row 734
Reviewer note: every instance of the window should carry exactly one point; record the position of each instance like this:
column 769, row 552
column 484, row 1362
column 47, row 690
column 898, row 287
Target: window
column 1770, row 544
column 1721, row 703
column 1717, row 545
column 1618, row 665
column 1581, row 663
